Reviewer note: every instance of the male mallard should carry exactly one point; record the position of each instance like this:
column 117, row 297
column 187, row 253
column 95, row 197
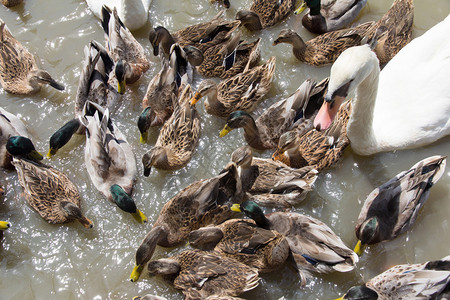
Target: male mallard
column 429, row 280
column 128, row 55
column 272, row 183
column 393, row 207
column 280, row 117
column 19, row 73
column 110, row 161
column 202, row 203
column 201, row 274
column 329, row 15
column 10, row 125
column 265, row 250
column 325, row 48
column 47, row 190
column 97, row 84
column 177, row 139
column 240, row 92
column 315, row 247
column 265, row 13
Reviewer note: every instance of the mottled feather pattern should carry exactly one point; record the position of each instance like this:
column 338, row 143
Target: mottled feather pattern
column 271, row 12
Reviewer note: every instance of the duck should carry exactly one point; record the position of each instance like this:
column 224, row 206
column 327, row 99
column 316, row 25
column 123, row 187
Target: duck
column 272, row 183
column 10, row 125
column 241, row 92
column 393, row 207
column 201, row 35
column 202, row 274
column 47, row 190
column 19, row 73
column 201, row 203
column 133, row 13
column 129, row 56
column 305, row 146
column 265, row 13
column 264, row 132
column 97, row 84
column 240, row 239
column 429, row 280
column 325, row 48
column 11, row 3
column 389, row 114
column 177, row 139
column 225, row 3
column 110, row 161
column 329, row 15
column 315, row 247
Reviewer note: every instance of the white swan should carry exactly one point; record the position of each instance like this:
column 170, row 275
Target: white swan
column 133, row 13
column 407, row 105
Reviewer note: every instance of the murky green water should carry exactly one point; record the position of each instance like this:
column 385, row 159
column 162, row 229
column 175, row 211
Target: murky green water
column 44, row 261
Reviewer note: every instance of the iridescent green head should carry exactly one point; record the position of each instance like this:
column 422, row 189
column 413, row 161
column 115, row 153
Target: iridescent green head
column 22, row 146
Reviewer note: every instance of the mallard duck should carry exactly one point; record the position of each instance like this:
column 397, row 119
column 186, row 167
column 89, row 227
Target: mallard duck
column 127, row 53
column 315, row 247
column 329, row 15
column 177, row 139
column 325, row 48
column 10, row 125
column 200, row 274
column 280, row 117
column 47, row 190
column 272, row 183
column 265, row 250
column 11, row 3
column 202, row 35
column 429, row 280
column 240, row 92
column 225, row 3
column 393, row 207
column 202, row 203
column 110, row 161
column 265, row 13
column 133, row 13
column 319, row 149
column 19, row 73
column 97, row 84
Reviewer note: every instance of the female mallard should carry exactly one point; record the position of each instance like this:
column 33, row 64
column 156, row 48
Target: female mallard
column 272, row 183
column 242, row 240
column 129, row 56
column 429, row 280
column 177, row 139
column 265, row 13
column 393, row 207
column 202, row 203
column 10, row 125
column 319, row 149
column 280, row 117
column 97, row 84
column 47, row 190
column 19, row 73
column 110, row 161
column 200, row 274
column 325, row 48
column 329, row 15
column 240, row 92
column 315, row 247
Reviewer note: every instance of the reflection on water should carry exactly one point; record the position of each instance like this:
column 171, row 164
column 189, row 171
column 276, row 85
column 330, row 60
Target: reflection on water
column 39, row 260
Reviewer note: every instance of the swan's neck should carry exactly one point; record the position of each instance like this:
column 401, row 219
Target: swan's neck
column 360, row 129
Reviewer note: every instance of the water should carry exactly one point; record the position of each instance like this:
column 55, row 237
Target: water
column 39, row 260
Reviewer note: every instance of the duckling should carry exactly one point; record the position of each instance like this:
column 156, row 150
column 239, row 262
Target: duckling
column 315, row 247
column 393, row 207
column 429, row 280
column 10, row 125
column 110, row 161
column 19, row 73
column 200, row 274
column 265, row 13
column 202, row 203
column 280, row 117
column 240, row 92
column 47, row 190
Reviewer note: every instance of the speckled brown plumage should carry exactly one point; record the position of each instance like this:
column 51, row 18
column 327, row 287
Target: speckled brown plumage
column 269, row 12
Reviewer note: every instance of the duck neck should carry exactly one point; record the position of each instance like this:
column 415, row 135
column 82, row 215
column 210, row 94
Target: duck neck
column 251, row 134
column 298, row 47
column 261, row 221
column 253, row 22
column 212, row 104
column 360, row 125
column 314, row 7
